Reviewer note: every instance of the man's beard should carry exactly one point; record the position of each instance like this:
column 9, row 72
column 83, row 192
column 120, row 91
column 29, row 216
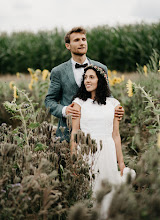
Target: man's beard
column 78, row 54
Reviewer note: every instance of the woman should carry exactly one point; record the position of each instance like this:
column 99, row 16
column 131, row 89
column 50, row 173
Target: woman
column 97, row 118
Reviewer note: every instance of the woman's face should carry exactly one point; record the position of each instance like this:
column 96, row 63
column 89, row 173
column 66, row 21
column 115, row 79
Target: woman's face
column 91, row 81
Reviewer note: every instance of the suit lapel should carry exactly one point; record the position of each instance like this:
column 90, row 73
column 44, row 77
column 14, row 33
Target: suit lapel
column 70, row 74
column 91, row 61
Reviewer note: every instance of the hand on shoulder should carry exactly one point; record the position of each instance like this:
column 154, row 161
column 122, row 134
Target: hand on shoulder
column 73, row 110
column 119, row 112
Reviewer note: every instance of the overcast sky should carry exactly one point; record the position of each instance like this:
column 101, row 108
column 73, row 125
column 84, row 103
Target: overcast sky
column 34, row 15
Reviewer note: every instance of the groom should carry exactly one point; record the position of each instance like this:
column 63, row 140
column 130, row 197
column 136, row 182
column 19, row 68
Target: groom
column 65, row 80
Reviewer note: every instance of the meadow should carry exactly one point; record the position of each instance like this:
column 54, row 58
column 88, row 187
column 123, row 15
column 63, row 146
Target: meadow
column 39, row 179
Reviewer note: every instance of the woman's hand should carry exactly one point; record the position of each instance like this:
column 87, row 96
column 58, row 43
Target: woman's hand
column 121, row 167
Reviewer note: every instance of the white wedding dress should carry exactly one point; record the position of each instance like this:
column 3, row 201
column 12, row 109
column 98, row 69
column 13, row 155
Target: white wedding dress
column 97, row 120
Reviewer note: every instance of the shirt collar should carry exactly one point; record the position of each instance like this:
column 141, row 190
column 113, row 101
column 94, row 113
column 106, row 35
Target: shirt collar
column 74, row 62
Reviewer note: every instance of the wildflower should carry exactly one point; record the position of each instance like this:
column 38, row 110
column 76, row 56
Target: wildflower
column 145, row 70
column 122, row 78
column 30, row 85
column 159, row 66
column 158, row 140
column 116, row 80
column 119, row 80
column 129, row 86
column 18, row 75
column 45, row 74
column 35, row 77
column 38, row 71
column 110, row 81
column 11, row 84
column 109, row 73
column 30, row 71
column 15, row 96
column 114, row 72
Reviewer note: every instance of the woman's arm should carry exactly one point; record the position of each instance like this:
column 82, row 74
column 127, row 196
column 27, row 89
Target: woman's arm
column 75, row 128
column 117, row 140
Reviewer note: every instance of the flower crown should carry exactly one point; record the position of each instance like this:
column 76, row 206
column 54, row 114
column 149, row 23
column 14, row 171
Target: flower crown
column 97, row 68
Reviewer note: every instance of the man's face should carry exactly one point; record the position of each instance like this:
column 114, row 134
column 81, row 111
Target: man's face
column 78, row 44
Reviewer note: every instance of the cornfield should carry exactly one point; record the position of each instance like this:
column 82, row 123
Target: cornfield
column 120, row 48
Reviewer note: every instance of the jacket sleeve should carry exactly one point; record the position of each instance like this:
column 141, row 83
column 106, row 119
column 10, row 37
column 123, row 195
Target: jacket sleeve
column 54, row 95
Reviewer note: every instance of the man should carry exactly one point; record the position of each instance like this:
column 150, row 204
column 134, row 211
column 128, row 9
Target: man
column 66, row 80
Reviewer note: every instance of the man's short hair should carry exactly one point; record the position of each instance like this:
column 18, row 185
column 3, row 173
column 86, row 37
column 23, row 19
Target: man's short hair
column 74, row 30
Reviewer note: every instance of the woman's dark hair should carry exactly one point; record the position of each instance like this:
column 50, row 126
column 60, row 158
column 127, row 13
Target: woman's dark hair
column 102, row 90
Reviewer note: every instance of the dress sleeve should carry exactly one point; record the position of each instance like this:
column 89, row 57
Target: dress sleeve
column 114, row 102
column 78, row 101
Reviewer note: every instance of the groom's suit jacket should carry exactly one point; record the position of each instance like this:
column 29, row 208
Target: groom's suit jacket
column 61, row 91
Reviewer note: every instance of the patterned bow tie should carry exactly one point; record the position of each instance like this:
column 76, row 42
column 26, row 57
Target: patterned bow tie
column 77, row 65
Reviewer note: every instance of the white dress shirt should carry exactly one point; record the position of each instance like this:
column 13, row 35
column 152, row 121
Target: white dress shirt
column 78, row 73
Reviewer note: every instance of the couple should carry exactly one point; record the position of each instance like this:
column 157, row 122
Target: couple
column 94, row 110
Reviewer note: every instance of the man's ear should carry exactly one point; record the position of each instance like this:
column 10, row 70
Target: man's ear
column 67, row 46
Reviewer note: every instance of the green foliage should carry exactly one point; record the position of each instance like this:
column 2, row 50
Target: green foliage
column 118, row 47
column 25, row 49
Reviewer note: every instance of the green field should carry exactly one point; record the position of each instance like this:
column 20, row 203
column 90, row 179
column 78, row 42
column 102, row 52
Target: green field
column 120, row 48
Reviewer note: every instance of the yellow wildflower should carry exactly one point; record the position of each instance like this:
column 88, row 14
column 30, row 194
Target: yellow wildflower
column 110, row 82
column 11, row 84
column 30, row 71
column 38, row 71
column 15, row 96
column 129, row 86
column 115, row 80
column 122, row 77
column 109, row 73
column 119, row 80
column 18, row 75
column 34, row 77
column 158, row 140
column 114, row 72
column 30, row 85
column 145, row 70
column 45, row 74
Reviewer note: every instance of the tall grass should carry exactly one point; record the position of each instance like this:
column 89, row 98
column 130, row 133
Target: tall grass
column 118, row 47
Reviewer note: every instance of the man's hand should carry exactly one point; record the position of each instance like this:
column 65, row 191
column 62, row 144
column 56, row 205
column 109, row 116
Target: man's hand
column 73, row 112
column 119, row 112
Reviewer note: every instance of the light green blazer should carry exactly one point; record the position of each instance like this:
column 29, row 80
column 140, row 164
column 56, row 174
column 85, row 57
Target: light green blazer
column 61, row 91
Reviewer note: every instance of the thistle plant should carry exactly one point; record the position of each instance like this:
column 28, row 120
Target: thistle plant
column 38, row 176
column 25, row 112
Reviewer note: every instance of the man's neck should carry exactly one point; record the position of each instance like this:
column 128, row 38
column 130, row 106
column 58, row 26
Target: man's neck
column 79, row 59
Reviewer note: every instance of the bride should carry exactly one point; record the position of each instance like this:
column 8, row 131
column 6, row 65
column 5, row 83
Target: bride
column 97, row 118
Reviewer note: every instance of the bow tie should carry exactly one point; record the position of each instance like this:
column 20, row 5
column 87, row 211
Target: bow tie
column 77, row 65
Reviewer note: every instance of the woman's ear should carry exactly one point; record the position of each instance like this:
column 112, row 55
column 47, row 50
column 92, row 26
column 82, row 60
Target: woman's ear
column 67, row 46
